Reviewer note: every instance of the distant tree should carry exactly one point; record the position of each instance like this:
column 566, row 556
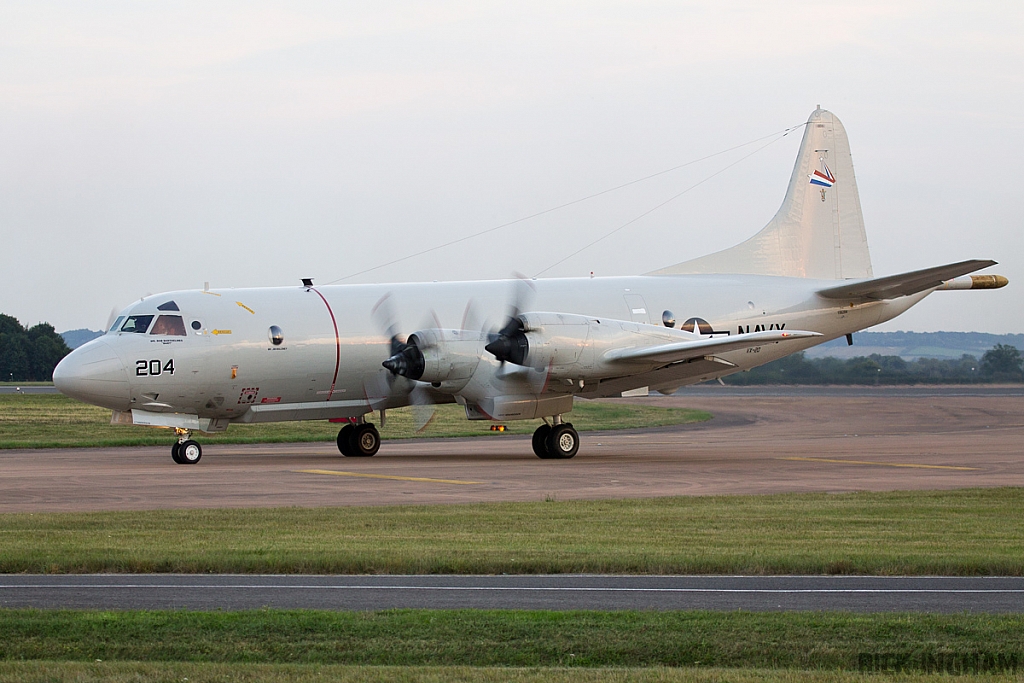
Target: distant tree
column 863, row 370
column 29, row 355
column 1003, row 362
column 878, row 369
column 15, row 363
column 10, row 325
column 47, row 349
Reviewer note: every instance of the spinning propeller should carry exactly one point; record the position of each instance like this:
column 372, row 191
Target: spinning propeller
column 509, row 344
column 406, row 361
column 410, row 371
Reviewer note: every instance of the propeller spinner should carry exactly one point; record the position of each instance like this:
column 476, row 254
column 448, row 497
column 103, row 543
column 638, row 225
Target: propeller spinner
column 510, row 343
column 406, row 358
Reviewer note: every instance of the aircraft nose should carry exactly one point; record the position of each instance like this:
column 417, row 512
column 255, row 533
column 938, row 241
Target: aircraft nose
column 94, row 374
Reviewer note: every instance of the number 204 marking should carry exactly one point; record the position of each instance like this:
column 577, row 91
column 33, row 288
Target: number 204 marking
column 144, row 368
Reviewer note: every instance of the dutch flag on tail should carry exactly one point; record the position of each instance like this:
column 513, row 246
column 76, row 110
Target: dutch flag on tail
column 825, row 179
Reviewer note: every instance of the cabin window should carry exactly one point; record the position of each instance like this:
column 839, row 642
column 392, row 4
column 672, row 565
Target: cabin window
column 169, row 324
column 137, row 324
column 276, row 335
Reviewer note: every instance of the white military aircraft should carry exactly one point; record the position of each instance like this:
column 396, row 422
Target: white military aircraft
column 203, row 360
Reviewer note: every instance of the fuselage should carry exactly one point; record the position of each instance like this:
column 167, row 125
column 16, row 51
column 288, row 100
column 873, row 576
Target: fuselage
column 241, row 355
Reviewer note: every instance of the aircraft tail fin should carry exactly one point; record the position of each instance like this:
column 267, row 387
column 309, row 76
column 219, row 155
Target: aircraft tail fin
column 819, row 230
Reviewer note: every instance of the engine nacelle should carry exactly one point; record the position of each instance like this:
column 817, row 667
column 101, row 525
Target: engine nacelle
column 574, row 346
column 438, row 356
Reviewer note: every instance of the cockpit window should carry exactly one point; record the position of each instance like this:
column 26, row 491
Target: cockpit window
column 117, row 324
column 169, row 324
column 137, row 324
column 168, row 306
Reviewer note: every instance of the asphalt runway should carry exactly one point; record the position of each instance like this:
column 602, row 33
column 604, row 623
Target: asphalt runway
column 835, row 441
column 753, row 593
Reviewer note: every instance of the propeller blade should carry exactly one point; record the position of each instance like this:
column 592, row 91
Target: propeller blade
column 509, row 344
column 471, row 317
column 423, row 408
column 403, row 357
column 111, row 318
column 523, row 291
column 386, row 320
column 377, row 390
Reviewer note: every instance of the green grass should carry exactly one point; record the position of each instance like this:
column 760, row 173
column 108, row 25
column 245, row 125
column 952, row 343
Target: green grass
column 764, row 640
column 960, row 532
column 54, row 421
column 141, row 672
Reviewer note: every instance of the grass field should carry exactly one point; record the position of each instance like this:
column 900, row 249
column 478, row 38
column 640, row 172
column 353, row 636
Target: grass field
column 960, row 532
column 54, row 421
column 836, row 641
column 193, row 672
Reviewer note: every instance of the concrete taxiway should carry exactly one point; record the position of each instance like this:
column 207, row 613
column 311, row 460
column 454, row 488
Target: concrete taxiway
column 586, row 592
column 833, row 441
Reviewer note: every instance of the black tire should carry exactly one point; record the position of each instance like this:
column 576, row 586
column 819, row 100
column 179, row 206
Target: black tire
column 563, row 442
column 540, row 438
column 345, row 440
column 365, row 441
column 189, row 452
column 174, row 453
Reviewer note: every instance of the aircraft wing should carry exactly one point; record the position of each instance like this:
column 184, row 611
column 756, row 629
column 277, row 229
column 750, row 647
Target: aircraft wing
column 904, row 284
column 684, row 350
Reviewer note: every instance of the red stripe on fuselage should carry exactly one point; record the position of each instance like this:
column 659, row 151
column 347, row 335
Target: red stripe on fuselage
column 337, row 343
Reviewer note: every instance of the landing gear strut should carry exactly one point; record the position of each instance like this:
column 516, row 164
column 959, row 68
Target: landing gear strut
column 556, row 442
column 359, row 441
column 185, row 451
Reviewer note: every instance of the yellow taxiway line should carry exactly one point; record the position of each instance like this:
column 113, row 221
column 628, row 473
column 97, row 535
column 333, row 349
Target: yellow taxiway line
column 885, row 464
column 389, row 476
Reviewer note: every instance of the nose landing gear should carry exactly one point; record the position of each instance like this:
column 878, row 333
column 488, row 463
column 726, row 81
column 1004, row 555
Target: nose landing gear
column 185, row 451
column 359, row 440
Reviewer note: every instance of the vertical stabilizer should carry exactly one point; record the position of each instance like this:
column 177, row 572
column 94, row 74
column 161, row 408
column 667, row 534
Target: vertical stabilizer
column 819, row 230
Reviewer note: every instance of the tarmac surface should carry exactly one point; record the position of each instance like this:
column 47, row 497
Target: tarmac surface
column 788, row 440
column 561, row 592
column 761, row 440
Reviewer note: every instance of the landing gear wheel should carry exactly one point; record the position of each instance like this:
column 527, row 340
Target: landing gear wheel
column 174, row 453
column 563, row 442
column 345, row 441
column 540, row 438
column 189, row 452
column 365, row 440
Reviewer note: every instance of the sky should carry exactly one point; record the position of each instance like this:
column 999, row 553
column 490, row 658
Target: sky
column 148, row 147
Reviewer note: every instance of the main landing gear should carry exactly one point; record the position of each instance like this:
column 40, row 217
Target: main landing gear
column 558, row 441
column 359, row 440
column 185, row 451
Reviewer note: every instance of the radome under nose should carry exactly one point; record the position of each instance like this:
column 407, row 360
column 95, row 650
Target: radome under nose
column 94, row 374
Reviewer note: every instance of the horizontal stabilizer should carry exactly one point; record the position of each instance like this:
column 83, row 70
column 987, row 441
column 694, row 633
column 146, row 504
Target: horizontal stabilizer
column 685, row 350
column 904, row 284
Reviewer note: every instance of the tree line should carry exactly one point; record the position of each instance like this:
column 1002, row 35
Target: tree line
column 1001, row 363
column 29, row 354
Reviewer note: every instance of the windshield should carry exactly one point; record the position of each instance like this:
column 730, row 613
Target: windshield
column 137, row 324
column 169, row 324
